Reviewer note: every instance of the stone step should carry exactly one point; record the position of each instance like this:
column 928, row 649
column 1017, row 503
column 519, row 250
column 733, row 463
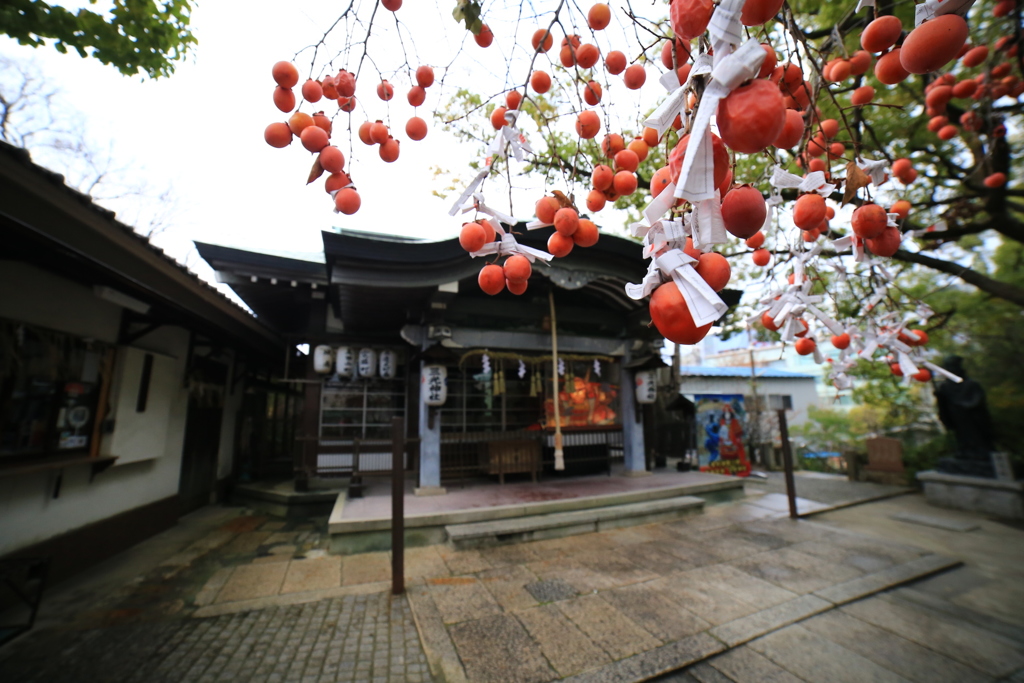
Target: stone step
column 560, row 524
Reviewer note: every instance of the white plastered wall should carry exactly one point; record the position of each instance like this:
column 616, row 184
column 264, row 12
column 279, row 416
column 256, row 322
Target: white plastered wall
column 803, row 391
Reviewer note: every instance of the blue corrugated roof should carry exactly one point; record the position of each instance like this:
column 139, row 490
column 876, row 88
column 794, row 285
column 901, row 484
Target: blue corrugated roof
column 740, row 372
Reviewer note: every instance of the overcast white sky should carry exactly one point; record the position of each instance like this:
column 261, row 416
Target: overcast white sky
column 201, row 130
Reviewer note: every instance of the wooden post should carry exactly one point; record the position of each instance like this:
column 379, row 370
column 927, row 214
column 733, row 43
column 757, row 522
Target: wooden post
column 397, row 505
column 787, row 463
column 559, row 452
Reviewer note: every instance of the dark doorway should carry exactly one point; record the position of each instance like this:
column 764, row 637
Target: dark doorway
column 199, row 455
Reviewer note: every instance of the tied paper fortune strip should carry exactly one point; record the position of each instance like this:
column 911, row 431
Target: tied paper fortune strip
column 812, row 182
column 704, row 304
column 696, row 179
column 930, row 9
column 508, row 137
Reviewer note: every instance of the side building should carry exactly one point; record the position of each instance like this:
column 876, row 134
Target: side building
column 122, row 377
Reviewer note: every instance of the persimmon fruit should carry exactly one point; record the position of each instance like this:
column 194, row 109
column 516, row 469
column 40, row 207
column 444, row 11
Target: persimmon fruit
column 751, row 117
column 715, row 270
column 560, row 245
column 424, row 76
column 672, row 317
column 933, row 44
column 331, row 159
column 284, row 99
column 285, row 74
column 809, row 211
column 517, row 268
column 472, row 237
column 314, row 138
column 278, row 135
column 881, row 34
column 599, row 16
column 347, row 201
column 485, row 37
column 634, row 77
column 744, row 211
column 566, row 221
column 615, row 62
column 416, row 128
column 491, row 279
column 869, row 221
column 388, row 151
column 540, row 81
column 586, row 234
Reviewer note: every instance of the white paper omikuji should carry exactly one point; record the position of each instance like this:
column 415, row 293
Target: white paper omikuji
column 707, row 226
column 875, row 169
column 696, row 179
column 479, row 205
column 930, row 9
column 704, row 304
column 468, row 192
column 861, row 4
column 666, row 113
column 812, row 182
column 725, row 27
column 651, row 281
column 660, row 205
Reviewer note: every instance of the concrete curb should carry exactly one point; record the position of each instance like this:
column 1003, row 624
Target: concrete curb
column 851, row 503
column 289, row 599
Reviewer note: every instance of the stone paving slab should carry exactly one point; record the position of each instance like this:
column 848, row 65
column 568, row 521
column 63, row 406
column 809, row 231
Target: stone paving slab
column 888, row 649
column 976, row 647
column 497, row 649
column 566, row 647
column 744, row 665
column 818, row 659
column 937, row 522
column 649, row 664
column 754, row 625
column 864, row 586
column 607, row 627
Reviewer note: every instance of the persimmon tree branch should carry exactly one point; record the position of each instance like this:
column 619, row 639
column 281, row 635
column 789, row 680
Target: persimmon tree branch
column 997, row 288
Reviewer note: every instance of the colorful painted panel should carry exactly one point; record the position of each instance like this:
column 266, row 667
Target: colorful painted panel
column 721, row 433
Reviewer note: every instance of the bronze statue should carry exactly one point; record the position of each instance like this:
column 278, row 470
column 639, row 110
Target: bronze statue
column 963, row 411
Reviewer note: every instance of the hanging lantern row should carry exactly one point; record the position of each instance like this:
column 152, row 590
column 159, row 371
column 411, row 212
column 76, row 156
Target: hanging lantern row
column 344, row 361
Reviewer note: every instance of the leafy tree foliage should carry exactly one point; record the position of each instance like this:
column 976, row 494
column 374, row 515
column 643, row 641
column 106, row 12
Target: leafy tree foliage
column 133, row 36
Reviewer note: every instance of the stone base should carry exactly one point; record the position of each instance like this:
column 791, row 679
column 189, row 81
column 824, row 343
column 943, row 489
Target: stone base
column 430, row 490
column 637, row 473
column 989, row 496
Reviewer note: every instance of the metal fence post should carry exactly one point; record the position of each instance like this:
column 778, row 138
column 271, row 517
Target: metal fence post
column 397, row 505
column 787, row 463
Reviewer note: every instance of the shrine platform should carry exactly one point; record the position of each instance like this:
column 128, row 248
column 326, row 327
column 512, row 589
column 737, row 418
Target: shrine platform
column 524, row 510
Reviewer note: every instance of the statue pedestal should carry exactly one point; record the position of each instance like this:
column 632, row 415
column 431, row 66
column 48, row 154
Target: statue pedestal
column 994, row 497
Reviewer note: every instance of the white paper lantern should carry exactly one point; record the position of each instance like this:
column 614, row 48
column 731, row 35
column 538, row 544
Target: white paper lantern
column 323, row 360
column 388, row 364
column 434, row 385
column 344, row 361
column 367, row 362
column 646, row 387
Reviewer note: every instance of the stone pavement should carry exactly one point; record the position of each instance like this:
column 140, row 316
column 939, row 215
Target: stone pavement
column 631, row 604
column 739, row 593
column 227, row 596
column 824, row 489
